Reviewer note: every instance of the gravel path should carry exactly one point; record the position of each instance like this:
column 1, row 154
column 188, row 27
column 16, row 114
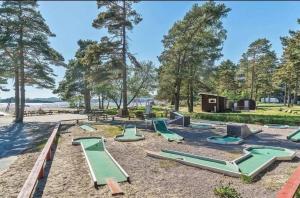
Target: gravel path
column 150, row 177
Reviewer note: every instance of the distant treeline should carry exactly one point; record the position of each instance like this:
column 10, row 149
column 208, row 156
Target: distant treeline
column 34, row 100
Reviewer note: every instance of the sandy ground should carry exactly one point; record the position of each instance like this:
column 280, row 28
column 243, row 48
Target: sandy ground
column 68, row 176
column 15, row 138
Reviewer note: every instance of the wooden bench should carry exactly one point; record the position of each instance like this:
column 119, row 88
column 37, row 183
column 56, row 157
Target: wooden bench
column 37, row 171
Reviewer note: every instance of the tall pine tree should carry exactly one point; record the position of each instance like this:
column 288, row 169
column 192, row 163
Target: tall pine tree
column 119, row 17
column 25, row 41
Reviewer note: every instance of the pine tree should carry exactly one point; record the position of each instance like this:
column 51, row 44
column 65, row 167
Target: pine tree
column 26, row 41
column 119, row 17
column 190, row 49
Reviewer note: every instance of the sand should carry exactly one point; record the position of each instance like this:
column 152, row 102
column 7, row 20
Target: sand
column 68, row 175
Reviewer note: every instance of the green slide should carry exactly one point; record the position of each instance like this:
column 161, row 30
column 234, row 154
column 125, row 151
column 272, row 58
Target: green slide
column 101, row 164
column 161, row 128
column 129, row 134
column 295, row 136
column 87, row 128
column 253, row 162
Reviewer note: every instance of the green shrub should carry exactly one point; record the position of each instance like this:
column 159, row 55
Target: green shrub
column 246, row 179
column 226, row 191
column 297, row 194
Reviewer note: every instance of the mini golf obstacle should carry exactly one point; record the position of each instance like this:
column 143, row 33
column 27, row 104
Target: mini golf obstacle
column 277, row 126
column 129, row 134
column 161, row 128
column 294, row 136
column 235, row 134
column 104, row 169
column 87, row 128
column 225, row 140
column 241, row 130
column 255, row 160
column 179, row 119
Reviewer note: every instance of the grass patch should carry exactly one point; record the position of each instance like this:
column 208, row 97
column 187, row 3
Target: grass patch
column 167, row 164
column 109, row 131
column 297, row 194
column 226, row 191
column 246, row 179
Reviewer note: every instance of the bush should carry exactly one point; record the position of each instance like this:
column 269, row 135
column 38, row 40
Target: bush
column 246, row 179
column 226, row 191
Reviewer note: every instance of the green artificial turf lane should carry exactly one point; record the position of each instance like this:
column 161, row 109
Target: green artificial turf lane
column 87, row 128
column 129, row 134
column 163, row 130
column 102, row 165
column 217, row 164
column 295, row 136
column 259, row 157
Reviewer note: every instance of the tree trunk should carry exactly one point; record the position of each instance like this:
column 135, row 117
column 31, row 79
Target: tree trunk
column 252, row 78
column 289, row 96
column 21, row 70
column 191, row 94
column 99, row 102
column 285, row 94
column 296, row 91
column 17, row 93
column 87, row 100
column 107, row 104
column 22, row 78
column 125, row 109
column 87, row 97
column 102, row 102
column 177, row 95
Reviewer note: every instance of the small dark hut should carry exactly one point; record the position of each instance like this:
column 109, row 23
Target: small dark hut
column 213, row 103
column 245, row 104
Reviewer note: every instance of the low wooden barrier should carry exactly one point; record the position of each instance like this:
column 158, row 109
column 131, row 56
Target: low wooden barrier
column 289, row 189
column 37, row 171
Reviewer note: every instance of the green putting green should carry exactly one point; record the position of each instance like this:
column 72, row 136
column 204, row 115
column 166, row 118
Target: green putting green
column 129, row 134
column 295, row 136
column 102, row 165
column 258, row 157
column 225, row 140
column 161, row 128
column 87, row 128
column 254, row 161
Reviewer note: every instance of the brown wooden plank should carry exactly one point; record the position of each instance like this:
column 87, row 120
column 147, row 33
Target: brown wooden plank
column 114, row 187
column 38, row 168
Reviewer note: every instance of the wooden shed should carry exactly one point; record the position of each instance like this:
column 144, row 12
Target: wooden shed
column 213, row 102
column 245, row 104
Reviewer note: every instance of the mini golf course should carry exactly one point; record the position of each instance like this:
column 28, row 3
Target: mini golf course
column 295, row 136
column 87, row 128
column 225, row 140
column 255, row 160
column 129, row 134
column 103, row 167
column 161, row 128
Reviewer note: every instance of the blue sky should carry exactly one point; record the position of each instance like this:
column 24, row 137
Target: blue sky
column 247, row 21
